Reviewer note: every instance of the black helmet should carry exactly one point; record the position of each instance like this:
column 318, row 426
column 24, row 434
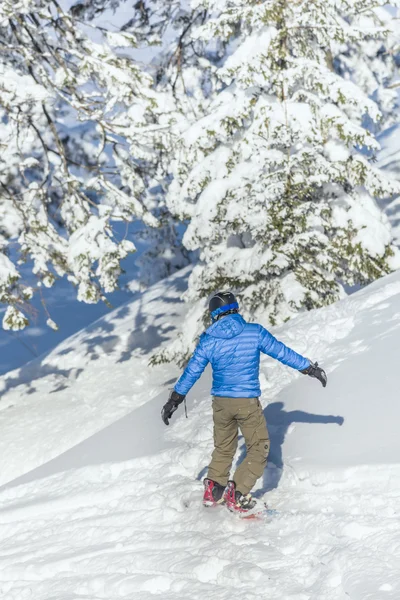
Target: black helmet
column 221, row 304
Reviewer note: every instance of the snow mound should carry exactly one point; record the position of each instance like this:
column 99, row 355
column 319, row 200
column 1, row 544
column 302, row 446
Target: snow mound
column 108, row 499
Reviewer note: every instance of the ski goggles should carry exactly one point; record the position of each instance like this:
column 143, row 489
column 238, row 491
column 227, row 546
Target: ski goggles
column 222, row 309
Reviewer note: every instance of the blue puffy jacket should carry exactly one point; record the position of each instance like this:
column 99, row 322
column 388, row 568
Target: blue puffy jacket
column 233, row 348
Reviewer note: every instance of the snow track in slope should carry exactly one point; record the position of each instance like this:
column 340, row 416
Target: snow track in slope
column 137, row 529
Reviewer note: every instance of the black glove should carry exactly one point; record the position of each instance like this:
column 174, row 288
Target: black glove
column 315, row 371
column 170, row 407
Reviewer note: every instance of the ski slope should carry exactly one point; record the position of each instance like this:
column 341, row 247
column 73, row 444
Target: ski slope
column 99, row 500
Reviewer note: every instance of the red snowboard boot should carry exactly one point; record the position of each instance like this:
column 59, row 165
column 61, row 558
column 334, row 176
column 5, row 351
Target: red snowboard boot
column 213, row 493
column 236, row 502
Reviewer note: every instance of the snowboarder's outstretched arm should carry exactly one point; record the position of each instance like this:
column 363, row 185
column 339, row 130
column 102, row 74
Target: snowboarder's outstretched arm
column 191, row 374
column 271, row 346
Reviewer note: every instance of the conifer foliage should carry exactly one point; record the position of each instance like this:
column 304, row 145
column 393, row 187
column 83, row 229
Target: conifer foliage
column 373, row 61
column 277, row 180
column 73, row 157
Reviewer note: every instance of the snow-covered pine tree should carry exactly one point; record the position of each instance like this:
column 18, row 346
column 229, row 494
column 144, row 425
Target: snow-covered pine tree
column 275, row 180
column 373, row 61
column 76, row 121
column 181, row 76
column 183, row 71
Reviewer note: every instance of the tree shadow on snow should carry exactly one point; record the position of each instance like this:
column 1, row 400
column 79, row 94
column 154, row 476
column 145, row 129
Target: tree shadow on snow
column 146, row 333
column 148, row 329
column 27, row 376
column 146, row 336
column 99, row 336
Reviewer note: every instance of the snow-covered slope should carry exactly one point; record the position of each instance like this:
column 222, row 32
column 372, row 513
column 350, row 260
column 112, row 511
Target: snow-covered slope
column 108, row 504
column 88, row 381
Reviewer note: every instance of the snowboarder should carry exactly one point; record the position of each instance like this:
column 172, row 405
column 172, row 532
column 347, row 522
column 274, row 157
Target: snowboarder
column 233, row 347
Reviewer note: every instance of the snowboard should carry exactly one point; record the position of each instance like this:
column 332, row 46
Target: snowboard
column 261, row 514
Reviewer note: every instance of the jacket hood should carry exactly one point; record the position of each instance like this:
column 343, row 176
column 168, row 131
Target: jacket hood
column 227, row 327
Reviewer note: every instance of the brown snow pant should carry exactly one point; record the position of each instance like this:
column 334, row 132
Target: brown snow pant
column 230, row 414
